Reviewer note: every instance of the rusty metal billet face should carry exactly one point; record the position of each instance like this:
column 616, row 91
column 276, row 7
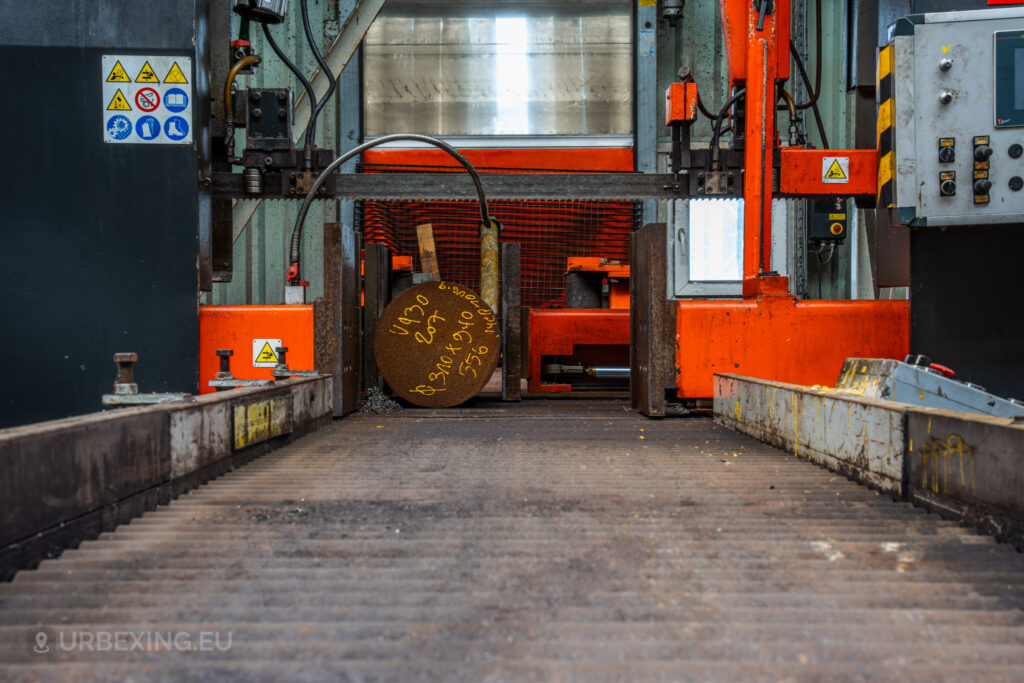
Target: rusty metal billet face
column 437, row 344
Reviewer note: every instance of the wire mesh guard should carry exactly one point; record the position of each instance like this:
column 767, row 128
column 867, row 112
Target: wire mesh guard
column 548, row 231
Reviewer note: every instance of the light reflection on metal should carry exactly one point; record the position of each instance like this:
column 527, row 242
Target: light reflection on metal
column 442, row 69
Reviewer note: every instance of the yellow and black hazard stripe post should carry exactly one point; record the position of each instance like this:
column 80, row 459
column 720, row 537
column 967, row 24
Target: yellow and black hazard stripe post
column 886, row 148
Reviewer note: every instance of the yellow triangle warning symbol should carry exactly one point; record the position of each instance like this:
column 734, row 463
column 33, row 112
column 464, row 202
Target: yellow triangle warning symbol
column 118, row 102
column 147, row 75
column 118, row 74
column 266, row 354
column 835, row 171
column 175, row 75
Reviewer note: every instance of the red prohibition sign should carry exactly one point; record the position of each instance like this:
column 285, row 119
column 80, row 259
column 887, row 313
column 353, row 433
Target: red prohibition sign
column 147, row 99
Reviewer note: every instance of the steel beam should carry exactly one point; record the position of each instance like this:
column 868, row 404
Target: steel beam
column 555, row 186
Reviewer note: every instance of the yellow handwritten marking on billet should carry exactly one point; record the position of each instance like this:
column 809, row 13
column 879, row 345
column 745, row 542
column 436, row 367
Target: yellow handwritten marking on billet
column 118, row 102
column 946, row 48
column 118, row 74
column 147, row 75
column 175, row 75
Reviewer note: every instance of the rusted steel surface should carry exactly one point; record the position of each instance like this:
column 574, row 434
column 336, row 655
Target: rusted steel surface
column 336, row 342
column 511, row 322
column 860, row 437
column 437, row 344
column 652, row 324
column 540, row 541
column 66, row 480
column 964, row 465
column 377, row 293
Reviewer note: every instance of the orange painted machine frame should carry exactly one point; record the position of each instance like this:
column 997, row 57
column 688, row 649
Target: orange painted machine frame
column 555, row 331
column 680, row 103
column 782, row 339
column 235, row 327
column 769, row 334
column 800, row 173
column 618, row 292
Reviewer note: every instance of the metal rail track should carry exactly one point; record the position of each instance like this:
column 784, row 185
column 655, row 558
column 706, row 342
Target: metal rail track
column 550, row 540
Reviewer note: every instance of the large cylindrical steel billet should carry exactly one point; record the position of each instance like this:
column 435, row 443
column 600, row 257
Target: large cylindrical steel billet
column 437, row 344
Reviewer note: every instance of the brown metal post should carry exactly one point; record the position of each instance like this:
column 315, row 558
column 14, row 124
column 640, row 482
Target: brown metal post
column 377, row 292
column 511, row 322
column 652, row 322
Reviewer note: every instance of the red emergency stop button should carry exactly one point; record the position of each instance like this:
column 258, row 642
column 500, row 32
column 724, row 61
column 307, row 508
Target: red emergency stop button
column 836, row 228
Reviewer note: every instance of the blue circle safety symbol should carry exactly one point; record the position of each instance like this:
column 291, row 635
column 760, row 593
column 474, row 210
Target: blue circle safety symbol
column 176, row 128
column 119, row 127
column 176, row 100
column 148, row 127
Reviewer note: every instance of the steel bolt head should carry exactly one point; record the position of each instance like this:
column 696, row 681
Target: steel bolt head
column 126, row 357
column 225, row 353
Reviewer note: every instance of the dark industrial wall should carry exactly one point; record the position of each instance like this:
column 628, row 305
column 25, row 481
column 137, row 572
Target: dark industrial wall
column 965, row 305
column 100, row 240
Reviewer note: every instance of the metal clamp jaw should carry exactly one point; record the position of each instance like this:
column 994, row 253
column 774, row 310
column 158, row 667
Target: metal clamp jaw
column 126, row 391
column 281, row 370
column 224, row 380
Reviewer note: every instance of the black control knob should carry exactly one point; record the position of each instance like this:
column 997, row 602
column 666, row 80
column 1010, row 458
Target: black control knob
column 1015, row 151
column 1016, row 183
column 982, row 186
column 947, row 188
column 947, row 155
column 982, row 152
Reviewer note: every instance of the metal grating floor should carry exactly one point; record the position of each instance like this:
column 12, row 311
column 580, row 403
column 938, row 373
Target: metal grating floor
column 547, row 540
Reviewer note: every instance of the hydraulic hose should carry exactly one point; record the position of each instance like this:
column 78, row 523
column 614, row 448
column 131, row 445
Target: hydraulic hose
column 336, row 164
column 332, row 83
column 229, row 105
column 311, row 130
column 718, row 123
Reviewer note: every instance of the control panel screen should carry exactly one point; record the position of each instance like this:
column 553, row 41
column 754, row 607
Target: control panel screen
column 1009, row 79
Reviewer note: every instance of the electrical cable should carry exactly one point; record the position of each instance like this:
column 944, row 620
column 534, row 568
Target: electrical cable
column 332, row 82
column 336, row 164
column 814, row 92
column 311, row 130
column 814, row 102
column 717, row 134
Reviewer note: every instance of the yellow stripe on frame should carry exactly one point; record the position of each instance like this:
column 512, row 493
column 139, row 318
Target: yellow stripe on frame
column 886, row 61
column 884, row 117
column 885, row 167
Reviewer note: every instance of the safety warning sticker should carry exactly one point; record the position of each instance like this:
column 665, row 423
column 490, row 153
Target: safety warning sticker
column 263, row 354
column 835, row 170
column 147, row 99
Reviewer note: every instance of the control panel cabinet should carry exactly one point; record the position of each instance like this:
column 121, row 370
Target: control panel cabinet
column 951, row 121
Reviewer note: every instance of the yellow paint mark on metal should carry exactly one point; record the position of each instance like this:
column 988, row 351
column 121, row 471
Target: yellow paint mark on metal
column 796, row 429
column 261, row 420
column 738, row 410
column 886, row 60
column 911, row 445
column 885, row 115
column 489, row 269
column 921, row 397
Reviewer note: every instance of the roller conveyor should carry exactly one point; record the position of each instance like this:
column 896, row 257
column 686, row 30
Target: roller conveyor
column 544, row 541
